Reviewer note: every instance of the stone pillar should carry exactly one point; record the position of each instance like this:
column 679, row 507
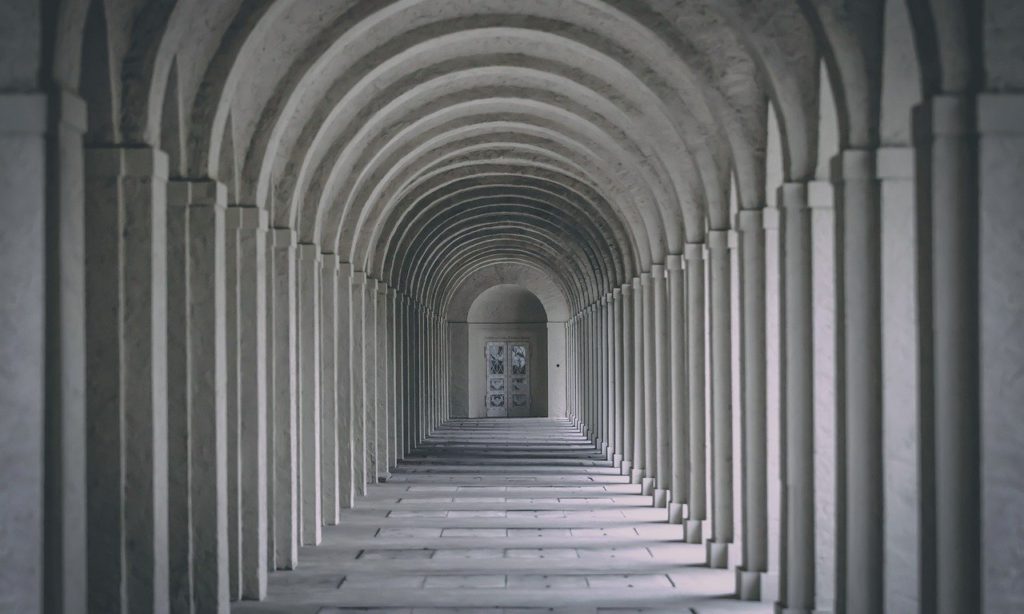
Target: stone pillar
column 617, row 375
column 956, row 279
column 383, row 385
column 862, row 328
column 797, row 594
column 370, row 379
column 344, row 388
column 232, row 406
column 901, row 378
column 750, row 224
column 650, row 387
column 286, row 494
column 721, row 399
column 359, row 405
column 270, row 394
column 43, row 386
column 394, row 357
column 639, row 410
column 662, row 387
column 179, row 448
column 309, row 391
column 626, row 373
column 824, row 365
column 697, row 514
column 677, row 376
column 249, row 262
column 126, row 381
column 329, row 409
column 605, row 335
column 773, row 401
column 1000, row 342
column 207, row 402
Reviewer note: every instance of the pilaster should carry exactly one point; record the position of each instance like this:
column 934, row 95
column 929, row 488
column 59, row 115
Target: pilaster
column 678, row 384
column 696, row 513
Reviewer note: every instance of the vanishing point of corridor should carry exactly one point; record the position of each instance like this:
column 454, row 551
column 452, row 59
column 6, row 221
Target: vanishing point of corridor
column 504, row 515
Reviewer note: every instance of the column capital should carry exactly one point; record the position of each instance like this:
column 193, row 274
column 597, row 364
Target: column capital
column 371, row 283
column 771, row 219
column 345, row 268
column 952, row 114
column 750, row 220
column 1000, row 113
column 308, row 252
column 718, row 239
column 896, row 163
column 638, row 282
column 820, row 195
column 854, row 164
column 657, row 271
column 358, row 278
column 693, row 252
column 674, row 262
column 627, row 287
column 206, row 192
column 282, row 237
column 792, row 195
column 616, row 293
column 247, row 217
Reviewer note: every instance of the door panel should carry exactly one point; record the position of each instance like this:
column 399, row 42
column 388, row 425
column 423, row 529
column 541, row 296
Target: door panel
column 507, row 392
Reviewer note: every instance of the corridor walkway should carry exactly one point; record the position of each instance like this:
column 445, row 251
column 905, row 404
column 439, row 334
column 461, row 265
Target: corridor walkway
column 503, row 515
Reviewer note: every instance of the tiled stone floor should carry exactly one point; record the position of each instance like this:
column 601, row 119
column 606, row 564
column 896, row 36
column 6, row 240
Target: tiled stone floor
column 503, row 515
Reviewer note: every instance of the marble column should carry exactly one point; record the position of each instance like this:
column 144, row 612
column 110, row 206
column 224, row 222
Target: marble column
column 394, row 356
column 650, row 387
column 639, row 410
column 179, row 452
column 954, row 263
column 309, row 391
column 797, row 594
column 678, row 384
column 721, row 399
column 824, row 366
column 358, row 358
column 370, row 379
column 44, row 478
column 383, row 385
column 126, row 379
column 626, row 373
column 601, row 349
column 286, row 494
column 232, row 405
column 617, row 374
column 861, row 329
column 750, row 224
column 697, row 514
column 344, row 386
column 1000, row 341
column 249, row 261
column 901, row 379
column 208, row 400
column 662, row 387
column 329, row 446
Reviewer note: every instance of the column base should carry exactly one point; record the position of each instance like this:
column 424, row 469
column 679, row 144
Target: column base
column 383, row 478
column 616, row 460
column 660, row 497
column 626, row 468
column 609, row 454
column 748, row 584
column 647, row 487
column 636, row 476
column 780, row 609
column 770, row 590
column 717, row 554
column 675, row 513
column 604, row 447
column 694, row 531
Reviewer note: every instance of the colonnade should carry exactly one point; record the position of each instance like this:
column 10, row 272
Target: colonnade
column 255, row 385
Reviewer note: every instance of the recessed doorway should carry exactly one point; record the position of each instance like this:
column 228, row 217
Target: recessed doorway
column 507, row 369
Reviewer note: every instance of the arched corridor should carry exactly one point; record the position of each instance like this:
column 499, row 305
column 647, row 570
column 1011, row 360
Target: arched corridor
column 750, row 270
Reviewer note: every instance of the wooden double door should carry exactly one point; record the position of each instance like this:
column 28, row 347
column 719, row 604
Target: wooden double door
column 507, row 369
